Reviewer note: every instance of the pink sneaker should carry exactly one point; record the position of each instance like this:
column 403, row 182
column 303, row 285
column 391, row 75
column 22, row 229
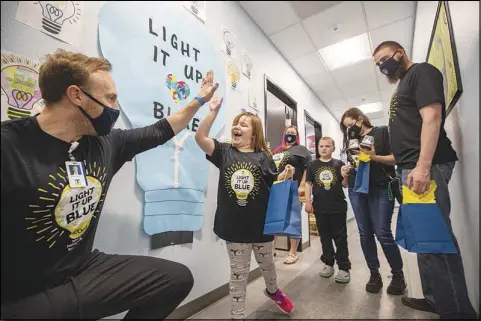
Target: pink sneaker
column 282, row 301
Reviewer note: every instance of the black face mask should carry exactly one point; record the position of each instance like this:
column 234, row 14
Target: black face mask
column 290, row 138
column 354, row 132
column 104, row 123
column 390, row 66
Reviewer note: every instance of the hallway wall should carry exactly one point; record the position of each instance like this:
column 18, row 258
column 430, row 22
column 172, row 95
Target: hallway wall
column 462, row 126
column 120, row 227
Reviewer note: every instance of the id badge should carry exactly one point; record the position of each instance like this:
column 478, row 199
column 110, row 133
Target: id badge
column 76, row 174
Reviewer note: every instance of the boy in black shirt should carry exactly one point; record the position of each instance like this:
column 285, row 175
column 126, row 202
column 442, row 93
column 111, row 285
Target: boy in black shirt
column 325, row 178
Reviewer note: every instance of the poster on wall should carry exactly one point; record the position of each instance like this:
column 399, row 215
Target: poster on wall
column 20, row 96
column 246, row 64
column 159, row 62
column 60, row 19
column 197, row 8
column 233, row 74
column 442, row 54
column 228, row 44
column 252, row 100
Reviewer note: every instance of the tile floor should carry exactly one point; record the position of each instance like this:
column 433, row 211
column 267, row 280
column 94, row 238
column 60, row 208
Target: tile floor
column 318, row 298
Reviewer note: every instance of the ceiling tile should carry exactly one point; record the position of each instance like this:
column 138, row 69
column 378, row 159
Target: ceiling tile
column 378, row 121
column 306, row 9
column 320, row 82
column 308, row 65
column 330, row 94
column 381, row 13
column 338, row 106
column 368, row 98
column 293, row 42
column 401, row 32
column 358, row 87
column 359, row 71
column 270, row 16
column 386, row 94
column 347, row 17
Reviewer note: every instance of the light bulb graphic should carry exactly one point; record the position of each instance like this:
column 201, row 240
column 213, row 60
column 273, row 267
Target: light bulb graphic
column 248, row 64
column 55, row 13
column 229, row 42
column 196, row 6
column 77, row 206
column 242, row 183
column 19, row 79
column 326, row 178
column 233, row 73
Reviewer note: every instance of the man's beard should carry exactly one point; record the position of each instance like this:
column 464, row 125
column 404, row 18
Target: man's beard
column 397, row 75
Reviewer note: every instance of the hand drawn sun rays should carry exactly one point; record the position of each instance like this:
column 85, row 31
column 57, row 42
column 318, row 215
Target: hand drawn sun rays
column 251, row 169
column 43, row 220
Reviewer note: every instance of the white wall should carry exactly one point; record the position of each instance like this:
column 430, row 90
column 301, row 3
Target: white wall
column 120, row 226
column 462, row 127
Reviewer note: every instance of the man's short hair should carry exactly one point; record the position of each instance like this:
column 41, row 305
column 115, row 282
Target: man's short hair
column 63, row 69
column 329, row 139
column 392, row 44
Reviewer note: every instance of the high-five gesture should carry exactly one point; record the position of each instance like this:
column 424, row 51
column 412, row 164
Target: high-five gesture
column 208, row 87
column 215, row 103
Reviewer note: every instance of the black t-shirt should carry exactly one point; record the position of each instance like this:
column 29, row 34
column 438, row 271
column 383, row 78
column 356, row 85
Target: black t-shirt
column 48, row 228
column 297, row 156
column 326, row 180
column 421, row 85
column 378, row 173
column 243, row 194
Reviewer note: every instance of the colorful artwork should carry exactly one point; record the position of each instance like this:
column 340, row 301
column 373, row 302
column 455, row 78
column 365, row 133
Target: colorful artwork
column 19, row 77
column 155, row 79
column 60, row 19
column 233, row 73
column 442, row 54
column 178, row 89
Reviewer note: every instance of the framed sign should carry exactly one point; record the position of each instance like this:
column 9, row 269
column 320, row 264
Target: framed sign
column 442, row 54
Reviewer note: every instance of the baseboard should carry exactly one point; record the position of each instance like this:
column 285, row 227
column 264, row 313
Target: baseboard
column 202, row 302
column 305, row 245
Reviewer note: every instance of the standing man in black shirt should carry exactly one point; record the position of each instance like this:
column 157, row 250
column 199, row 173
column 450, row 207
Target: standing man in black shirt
column 423, row 152
column 50, row 215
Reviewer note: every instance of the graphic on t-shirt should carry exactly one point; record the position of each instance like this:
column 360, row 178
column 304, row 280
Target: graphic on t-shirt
column 242, row 180
column 60, row 208
column 326, row 176
column 281, row 159
column 393, row 107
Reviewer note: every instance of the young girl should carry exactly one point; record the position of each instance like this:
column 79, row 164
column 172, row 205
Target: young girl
column 246, row 173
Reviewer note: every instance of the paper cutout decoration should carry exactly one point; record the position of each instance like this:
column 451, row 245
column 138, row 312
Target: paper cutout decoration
column 228, row 43
column 60, row 19
column 246, row 64
column 252, row 100
column 20, row 92
column 173, row 176
column 197, row 8
column 233, row 74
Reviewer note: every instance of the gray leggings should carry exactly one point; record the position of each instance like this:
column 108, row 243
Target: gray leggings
column 240, row 261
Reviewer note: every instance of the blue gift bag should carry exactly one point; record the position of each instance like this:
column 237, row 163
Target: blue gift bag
column 283, row 216
column 421, row 227
column 361, row 184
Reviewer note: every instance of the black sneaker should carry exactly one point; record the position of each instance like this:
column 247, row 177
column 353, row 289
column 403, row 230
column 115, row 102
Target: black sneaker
column 375, row 283
column 397, row 286
column 418, row 304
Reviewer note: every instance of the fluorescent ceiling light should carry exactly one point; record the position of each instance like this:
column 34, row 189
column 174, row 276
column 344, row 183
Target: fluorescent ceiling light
column 371, row 108
column 346, row 52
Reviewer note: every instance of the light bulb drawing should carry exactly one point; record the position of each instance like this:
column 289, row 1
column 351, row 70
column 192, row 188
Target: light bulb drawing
column 247, row 65
column 19, row 83
column 55, row 13
column 233, row 73
column 196, row 6
column 242, row 183
column 229, row 41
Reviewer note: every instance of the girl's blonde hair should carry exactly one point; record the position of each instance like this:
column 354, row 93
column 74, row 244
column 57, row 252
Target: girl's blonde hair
column 259, row 143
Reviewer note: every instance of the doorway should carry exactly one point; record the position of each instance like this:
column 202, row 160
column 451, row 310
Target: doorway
column 313, row 131
column 280, row 111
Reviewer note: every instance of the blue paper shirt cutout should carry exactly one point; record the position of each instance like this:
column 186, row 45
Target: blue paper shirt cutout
column 174, row 175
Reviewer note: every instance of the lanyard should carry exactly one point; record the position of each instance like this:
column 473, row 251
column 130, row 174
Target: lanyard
column 70, row 151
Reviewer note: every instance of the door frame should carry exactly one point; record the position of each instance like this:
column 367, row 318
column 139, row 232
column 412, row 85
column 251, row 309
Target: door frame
column 311, row 120
column 277, row 91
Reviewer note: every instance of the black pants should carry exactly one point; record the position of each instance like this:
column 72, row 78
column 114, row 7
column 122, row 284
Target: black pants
column 332, row 227
column 148, row 287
